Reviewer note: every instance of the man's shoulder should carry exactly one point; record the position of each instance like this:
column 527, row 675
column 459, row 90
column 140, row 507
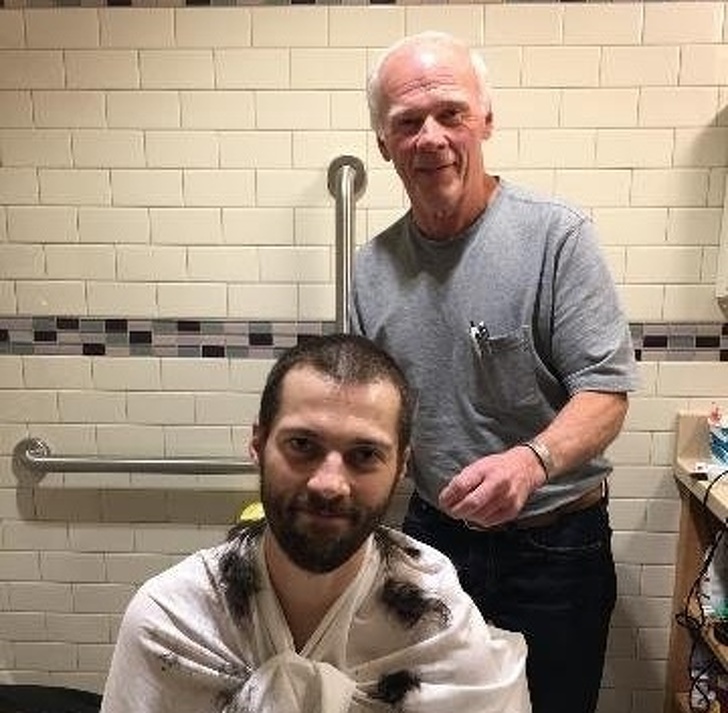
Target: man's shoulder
column 396, row 227
column 378, row 257
column 521, row 198
column 420, row 561
column 187, row 595
column 190, row 574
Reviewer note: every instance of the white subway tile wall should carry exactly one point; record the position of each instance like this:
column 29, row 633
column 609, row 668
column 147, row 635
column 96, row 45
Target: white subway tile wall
column 171, row 164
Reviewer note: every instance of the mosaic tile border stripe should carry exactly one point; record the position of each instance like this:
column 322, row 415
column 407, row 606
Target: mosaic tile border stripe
column 694, row 341
column 197, row 338
column 244, row 339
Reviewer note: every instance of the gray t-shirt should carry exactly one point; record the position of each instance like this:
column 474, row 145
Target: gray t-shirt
column 496, row 329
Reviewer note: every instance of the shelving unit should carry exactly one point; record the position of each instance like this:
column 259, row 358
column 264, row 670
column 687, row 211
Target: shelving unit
column 697, row 526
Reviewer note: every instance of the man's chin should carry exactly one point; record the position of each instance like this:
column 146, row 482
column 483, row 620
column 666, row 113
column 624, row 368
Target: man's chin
column 318, row 554
column 308, row 523
column 441, row 193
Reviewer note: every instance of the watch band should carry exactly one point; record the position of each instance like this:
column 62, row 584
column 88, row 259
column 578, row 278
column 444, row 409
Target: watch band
column 541, row 451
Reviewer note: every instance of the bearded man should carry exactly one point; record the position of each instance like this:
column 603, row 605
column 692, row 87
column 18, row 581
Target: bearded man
column 318, row 608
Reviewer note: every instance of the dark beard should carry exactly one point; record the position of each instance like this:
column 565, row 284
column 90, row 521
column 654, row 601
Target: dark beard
column 318, row 551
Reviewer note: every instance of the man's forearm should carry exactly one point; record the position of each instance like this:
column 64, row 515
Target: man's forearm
column 586, row 425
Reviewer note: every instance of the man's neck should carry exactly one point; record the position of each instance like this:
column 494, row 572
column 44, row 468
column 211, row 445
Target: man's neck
column 447, row 223
column 304, row 596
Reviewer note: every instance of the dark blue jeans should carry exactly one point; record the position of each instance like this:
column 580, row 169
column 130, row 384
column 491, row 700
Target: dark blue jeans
column 555, row 584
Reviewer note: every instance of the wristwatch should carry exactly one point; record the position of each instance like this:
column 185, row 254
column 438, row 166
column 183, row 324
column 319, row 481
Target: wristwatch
column 541, row 451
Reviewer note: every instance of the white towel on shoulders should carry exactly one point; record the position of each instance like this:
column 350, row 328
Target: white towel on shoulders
column 181, row 651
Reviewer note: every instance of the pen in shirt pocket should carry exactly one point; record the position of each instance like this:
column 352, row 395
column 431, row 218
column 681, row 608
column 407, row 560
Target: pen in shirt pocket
column 479, row 334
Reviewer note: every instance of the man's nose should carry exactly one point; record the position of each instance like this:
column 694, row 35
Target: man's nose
column 431, row 132
column 329, row 478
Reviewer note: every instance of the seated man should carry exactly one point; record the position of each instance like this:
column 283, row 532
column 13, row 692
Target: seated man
column 318, row 608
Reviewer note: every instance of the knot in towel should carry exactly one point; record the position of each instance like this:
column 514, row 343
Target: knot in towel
column 289, row 682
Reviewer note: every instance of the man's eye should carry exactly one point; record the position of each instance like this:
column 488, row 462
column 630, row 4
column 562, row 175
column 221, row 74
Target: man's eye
column 408, row 124
column 301, row 445
column 365, row 457
column 451, row 117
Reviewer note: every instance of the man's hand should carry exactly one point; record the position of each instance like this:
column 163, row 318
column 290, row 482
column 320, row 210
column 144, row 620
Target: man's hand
column 493, row 489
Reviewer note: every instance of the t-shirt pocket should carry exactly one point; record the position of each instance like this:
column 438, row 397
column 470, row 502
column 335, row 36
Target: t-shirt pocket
column 504, row 369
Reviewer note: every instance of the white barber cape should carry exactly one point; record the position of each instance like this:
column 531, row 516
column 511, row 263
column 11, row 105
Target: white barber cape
column 180, row 650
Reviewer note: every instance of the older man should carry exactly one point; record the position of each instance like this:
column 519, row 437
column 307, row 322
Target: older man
column 499, row 307
column 318, row 608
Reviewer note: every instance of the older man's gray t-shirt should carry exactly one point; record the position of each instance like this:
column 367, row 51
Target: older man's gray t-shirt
column 496, row 328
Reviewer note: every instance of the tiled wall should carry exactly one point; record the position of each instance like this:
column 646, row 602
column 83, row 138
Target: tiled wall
column 165, row 225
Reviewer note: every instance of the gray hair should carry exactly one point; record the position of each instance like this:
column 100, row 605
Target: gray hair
column 431, row 37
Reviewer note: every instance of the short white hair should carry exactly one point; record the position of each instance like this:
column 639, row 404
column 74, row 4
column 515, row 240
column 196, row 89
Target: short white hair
column 430, row 37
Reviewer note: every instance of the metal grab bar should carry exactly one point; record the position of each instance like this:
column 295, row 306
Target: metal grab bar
column 34, row 456
column 347, row 181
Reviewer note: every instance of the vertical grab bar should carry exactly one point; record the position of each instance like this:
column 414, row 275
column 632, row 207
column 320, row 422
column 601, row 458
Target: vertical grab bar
column 347, row 181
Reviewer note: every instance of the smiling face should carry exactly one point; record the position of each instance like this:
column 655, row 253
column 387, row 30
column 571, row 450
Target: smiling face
column 433, row 120
column 328, row 465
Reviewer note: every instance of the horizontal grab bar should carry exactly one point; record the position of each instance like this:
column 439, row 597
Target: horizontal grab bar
column 34, row 455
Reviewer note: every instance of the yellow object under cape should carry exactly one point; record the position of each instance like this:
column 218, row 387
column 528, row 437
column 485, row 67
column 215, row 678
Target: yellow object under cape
column 252, row 512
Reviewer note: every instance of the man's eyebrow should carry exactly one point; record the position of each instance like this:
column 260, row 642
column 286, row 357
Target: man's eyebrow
column 298, row 431
column 438, row 105
column 382, row 443
column 374, row 442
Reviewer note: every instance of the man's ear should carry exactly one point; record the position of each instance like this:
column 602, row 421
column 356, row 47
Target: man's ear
column 255, row 446
column 383, row 149
column 405, row 462
column 487, row 126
